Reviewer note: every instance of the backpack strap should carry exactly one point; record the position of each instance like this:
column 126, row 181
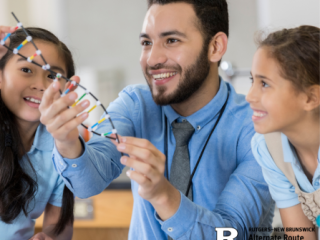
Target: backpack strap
column 274, row 145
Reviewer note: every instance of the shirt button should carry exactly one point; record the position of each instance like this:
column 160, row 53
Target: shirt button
column 170, row 229
column 198, row 128
column 184, row 120
column 316, row 183
column 74, row 165
column 61, row 162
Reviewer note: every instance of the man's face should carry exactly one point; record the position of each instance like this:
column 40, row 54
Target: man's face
column 174, row 58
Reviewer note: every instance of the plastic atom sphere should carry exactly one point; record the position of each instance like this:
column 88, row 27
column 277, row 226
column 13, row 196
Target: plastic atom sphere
column 46, row 67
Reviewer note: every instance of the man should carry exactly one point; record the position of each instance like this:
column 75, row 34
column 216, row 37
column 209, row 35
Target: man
column 188, row 119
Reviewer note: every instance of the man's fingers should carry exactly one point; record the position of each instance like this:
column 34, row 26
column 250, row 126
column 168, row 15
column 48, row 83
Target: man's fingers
column 139, row 166
column 139, row 142
column 139, row 178
column 143, row 150
column 141, row 153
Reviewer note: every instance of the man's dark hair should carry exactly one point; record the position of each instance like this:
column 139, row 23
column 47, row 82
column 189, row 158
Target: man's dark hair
column 212, row 14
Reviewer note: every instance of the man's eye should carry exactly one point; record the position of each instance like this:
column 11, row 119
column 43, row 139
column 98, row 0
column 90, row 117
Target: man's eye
column 146, row 43
column 26, row 70
column 251, row 79
column 171, row 40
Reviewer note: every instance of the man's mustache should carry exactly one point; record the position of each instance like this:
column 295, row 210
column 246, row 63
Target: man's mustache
column 163, row 66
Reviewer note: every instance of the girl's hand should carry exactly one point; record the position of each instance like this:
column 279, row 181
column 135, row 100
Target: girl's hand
column 61, row 121
column 41, row 236
column 3, row 31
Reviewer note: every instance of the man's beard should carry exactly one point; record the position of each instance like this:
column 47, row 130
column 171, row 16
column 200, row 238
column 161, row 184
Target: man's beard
column 189, row 83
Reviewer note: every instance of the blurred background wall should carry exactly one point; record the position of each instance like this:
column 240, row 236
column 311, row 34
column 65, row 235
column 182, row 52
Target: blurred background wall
column 103, row 36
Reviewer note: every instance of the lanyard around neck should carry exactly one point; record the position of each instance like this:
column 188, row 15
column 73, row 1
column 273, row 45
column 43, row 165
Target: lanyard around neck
column 204, row 147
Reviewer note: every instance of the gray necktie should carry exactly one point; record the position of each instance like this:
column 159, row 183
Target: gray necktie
column 180, row 167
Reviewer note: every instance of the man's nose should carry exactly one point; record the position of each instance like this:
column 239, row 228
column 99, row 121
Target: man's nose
column 156, row 56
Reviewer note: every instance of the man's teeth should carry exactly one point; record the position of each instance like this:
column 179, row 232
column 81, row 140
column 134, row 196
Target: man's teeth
column 259, row 114
column 163, row 75
column 33, row 100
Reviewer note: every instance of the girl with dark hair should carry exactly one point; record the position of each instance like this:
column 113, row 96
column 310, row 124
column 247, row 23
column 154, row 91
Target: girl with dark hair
column 29, row 184
column 285, row 98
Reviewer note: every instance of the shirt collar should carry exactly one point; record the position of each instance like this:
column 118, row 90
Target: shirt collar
column 43, row 140
column 205, row 114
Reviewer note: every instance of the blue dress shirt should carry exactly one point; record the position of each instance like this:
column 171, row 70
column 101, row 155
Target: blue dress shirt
column 50, row 187
column 282, row 191
column 228, row 187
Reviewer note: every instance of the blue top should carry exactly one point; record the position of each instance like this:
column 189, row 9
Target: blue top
column 282, row 191
column 50, row 187
column 228, row 187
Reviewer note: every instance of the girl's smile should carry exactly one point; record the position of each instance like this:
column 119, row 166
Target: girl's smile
column 258, row 115
column 32, row 101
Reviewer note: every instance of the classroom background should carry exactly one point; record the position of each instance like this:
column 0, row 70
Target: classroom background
column 103, row 36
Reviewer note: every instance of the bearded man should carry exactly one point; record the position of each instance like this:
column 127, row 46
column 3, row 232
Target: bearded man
column 186, row 136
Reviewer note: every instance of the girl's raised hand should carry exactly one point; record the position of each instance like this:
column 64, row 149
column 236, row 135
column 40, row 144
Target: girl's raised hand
column 61, row 121
column 3, row 31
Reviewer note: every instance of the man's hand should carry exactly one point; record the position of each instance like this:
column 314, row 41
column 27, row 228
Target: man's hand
column 41, row 236
column 3, row 31
column 61, row 121
column 149, row 166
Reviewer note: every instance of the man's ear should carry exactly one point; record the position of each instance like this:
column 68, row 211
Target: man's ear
column 313, row 99
column 218, row 47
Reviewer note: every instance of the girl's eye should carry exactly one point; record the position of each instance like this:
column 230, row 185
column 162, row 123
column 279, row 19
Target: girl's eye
column 26, row 70
column 145, row 43
column 51, row 76
column 172, row 40
column 251, row 79
column 265, row 84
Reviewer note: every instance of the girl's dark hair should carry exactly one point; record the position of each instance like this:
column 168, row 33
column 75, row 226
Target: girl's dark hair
column 17, row 188
column 297, row 51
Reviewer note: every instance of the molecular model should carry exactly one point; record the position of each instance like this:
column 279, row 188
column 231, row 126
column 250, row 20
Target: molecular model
column 58, row 76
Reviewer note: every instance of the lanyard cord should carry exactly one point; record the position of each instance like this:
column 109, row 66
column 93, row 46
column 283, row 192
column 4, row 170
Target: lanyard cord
column 204, row 147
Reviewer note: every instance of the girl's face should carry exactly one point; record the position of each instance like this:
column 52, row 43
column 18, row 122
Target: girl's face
column 22, row 83
column 276, row 104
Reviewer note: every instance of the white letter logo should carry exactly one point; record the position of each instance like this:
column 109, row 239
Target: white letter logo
column 220, row 232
